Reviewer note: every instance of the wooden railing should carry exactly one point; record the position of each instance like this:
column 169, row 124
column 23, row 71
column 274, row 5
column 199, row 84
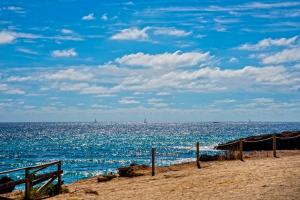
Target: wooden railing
column 240, row 144
column 31, row 178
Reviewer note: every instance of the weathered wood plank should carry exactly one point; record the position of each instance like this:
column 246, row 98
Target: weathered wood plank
column 153, row 160
column 44, row 186
column 198, row 155
column 43, row 165
column 40, row 180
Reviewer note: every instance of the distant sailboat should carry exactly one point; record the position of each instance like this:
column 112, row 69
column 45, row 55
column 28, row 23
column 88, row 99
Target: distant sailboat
column 95, row 121
column 145, row 121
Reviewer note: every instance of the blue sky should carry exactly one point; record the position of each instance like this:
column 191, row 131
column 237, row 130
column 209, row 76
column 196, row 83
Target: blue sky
column 69, row 60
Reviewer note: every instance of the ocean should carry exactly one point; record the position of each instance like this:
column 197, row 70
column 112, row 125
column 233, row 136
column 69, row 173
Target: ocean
column 89, row 149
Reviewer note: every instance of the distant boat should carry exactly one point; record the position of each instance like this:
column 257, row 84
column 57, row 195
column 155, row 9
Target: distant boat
column 95, row 121
column 216, row 122
column 145, row 121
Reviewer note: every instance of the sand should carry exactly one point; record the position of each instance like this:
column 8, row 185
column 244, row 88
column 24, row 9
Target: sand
column 255, row 178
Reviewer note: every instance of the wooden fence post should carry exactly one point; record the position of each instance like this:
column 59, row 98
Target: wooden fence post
column 153, row 161
column 274, row 146
column 198, row 155
column 27, row 184
column 241, row 150
column 59, row 181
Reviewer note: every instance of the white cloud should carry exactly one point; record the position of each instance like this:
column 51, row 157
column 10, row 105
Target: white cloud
column 171, row 32
column 6, row 37
column 260, row 5
column 174, row 60
column 27, row 51
column 214, row 8
column 69, row 74
column 214, row 79
column 88, row 17
column 220, row 28
column 83, row 88
column 104, row 17
column 66, row 31
column 15, row 9
column 131, row 34
column 64, row 53
column 163, row 93
column 129, row 3
column 128, row 100
column 157, row 102
column 99, row 106
column 269, row 42
column 225, row 20
column 8, row 90
column 3, row 87
column 20, row 78
column 233, row 60
column 285, row 56
column 267, row 105
column 263, row 100
column 225, row 101
column 160, row 74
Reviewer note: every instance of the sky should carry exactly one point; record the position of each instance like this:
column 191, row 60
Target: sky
column 166, row 61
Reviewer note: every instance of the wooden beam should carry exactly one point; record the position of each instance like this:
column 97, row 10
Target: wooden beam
column 59, row 179
column 50, row 174
column 27, row 185
column 153, row 160
column 44, row 186
column 274, row 146
column 241, row 150
column 40, row 180
column 30, row 168
column 198, row 155
column 43, row 165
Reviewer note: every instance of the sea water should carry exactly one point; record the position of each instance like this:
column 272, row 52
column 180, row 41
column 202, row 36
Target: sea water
column 89, row 149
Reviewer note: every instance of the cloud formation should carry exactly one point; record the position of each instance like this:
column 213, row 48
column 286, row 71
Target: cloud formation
column 284, row 56
column 269, row 42
column 27, row 51
column 164, row 60
column 89, row 17
column 6, row 37
column 69, row 74
column 64, row 53
column 9, row 90
column 171, row 32
column 66, row 31
column 131, row 34
column 128, row 100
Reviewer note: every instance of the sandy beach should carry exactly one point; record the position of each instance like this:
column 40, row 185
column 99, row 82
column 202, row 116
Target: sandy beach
column 256, row 178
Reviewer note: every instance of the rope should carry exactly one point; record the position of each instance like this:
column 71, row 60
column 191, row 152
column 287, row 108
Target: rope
column 286, row 138
column 174, row 147
column 247, row 141
column 222, row 145
column 259, row 140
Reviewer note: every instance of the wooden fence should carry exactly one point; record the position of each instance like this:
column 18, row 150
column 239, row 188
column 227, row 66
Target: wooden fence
column 32, row 178
column 239, row 144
